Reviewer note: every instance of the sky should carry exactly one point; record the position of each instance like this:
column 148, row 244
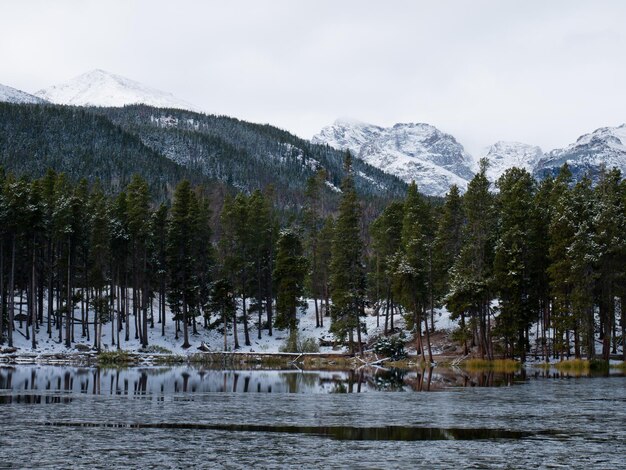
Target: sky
column 539, row 72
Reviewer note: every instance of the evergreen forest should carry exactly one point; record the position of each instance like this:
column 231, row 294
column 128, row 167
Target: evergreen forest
column 549, row 257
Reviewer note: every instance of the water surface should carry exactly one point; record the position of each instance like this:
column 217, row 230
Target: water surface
column 172, row 417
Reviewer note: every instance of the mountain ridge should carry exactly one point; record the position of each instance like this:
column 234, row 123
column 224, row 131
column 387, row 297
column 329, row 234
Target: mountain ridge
column 104, row 89
column 412, row 151
column 409, row 151
column 13, row 95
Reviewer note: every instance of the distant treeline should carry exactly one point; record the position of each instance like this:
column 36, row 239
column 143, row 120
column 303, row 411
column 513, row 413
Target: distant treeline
column 550, row 255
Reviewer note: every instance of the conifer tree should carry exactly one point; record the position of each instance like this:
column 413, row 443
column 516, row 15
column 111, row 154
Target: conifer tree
column 99, row 259
column 313, row 221
column 411, row 270
column 323, row 262
column 540, row 290
column 609, row 221
column 347, row 271
column 289, row 274
column 562, row 231
column 448, row 239
column 470, row 294
column 224, row 302
column 236, row 246
column 583, row 255
column 260, row 222
column 159, row 258
column 513, row 270
column 138, row 206
column 386, row 232
column 179, row 255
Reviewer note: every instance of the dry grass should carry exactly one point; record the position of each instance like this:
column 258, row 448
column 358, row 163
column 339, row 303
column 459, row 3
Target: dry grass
column 582, row 366
column 496, row 365
column 573, row 365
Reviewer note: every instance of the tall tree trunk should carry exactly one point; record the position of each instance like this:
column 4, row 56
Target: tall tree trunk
column 1, row 290
column 259, row 298
column 387, row 315
column 100, row 304
column 11, row 293
column 113, row 300
column 33, row 300
column 317, row 313
column 185, row 324
column 225, row 322
column 126, row 308
column 358, row 329
column 236, row 346
column 50, row 287
column 144, row 336
column 162, row 309
column 69, row 313
column 245, row 320
column 430, row 352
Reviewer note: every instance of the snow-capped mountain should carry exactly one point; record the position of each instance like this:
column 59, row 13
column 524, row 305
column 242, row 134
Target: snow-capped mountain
column 13, row 95
column 603, row 147
column 504, row 155
column 100, row 88
column 419, row 152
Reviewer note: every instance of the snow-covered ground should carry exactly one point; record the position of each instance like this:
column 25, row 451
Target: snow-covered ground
column 214, row 338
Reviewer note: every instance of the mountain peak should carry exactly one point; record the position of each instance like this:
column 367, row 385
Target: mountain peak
column 505, row 154
column 105, row 89
column 604, row 147
column 13, row 95
column 411, row 151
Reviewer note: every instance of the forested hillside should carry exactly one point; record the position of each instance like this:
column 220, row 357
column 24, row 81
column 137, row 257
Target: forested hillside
column 34, row 138
column 246, row 155
column 166, row 146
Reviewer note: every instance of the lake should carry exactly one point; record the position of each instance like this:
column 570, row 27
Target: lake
column 173, row 417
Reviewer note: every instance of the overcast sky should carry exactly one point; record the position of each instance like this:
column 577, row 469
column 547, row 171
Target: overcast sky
column 541, row 72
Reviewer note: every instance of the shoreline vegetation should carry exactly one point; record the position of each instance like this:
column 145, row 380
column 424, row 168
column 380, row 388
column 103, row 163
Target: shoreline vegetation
column 302, row 361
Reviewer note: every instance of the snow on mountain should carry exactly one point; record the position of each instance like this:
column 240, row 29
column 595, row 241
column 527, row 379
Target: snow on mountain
column 419, row 152
column 100, row 88
column 12, row 95
column 348, row 134
column 603, row 147
column 504, row 155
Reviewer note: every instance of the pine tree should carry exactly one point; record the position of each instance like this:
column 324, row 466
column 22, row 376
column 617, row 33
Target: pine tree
column 236, row 253
column 224, row 302
column 562, row 231
column 448, row 240
column 138, row 206
column 540, row 289
column 120, row 251
column 202, row 255
column 583, row 255
column 262, row 233
column 513, row 270
column 412, row 268
column 313, row 221
column 347, row 271
column 158, row 262
column 99, row 259
column 386, row 232
column 609, row 221
column 323, row 262
column 289, row 274
column 179, row 255
column 470, row 295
